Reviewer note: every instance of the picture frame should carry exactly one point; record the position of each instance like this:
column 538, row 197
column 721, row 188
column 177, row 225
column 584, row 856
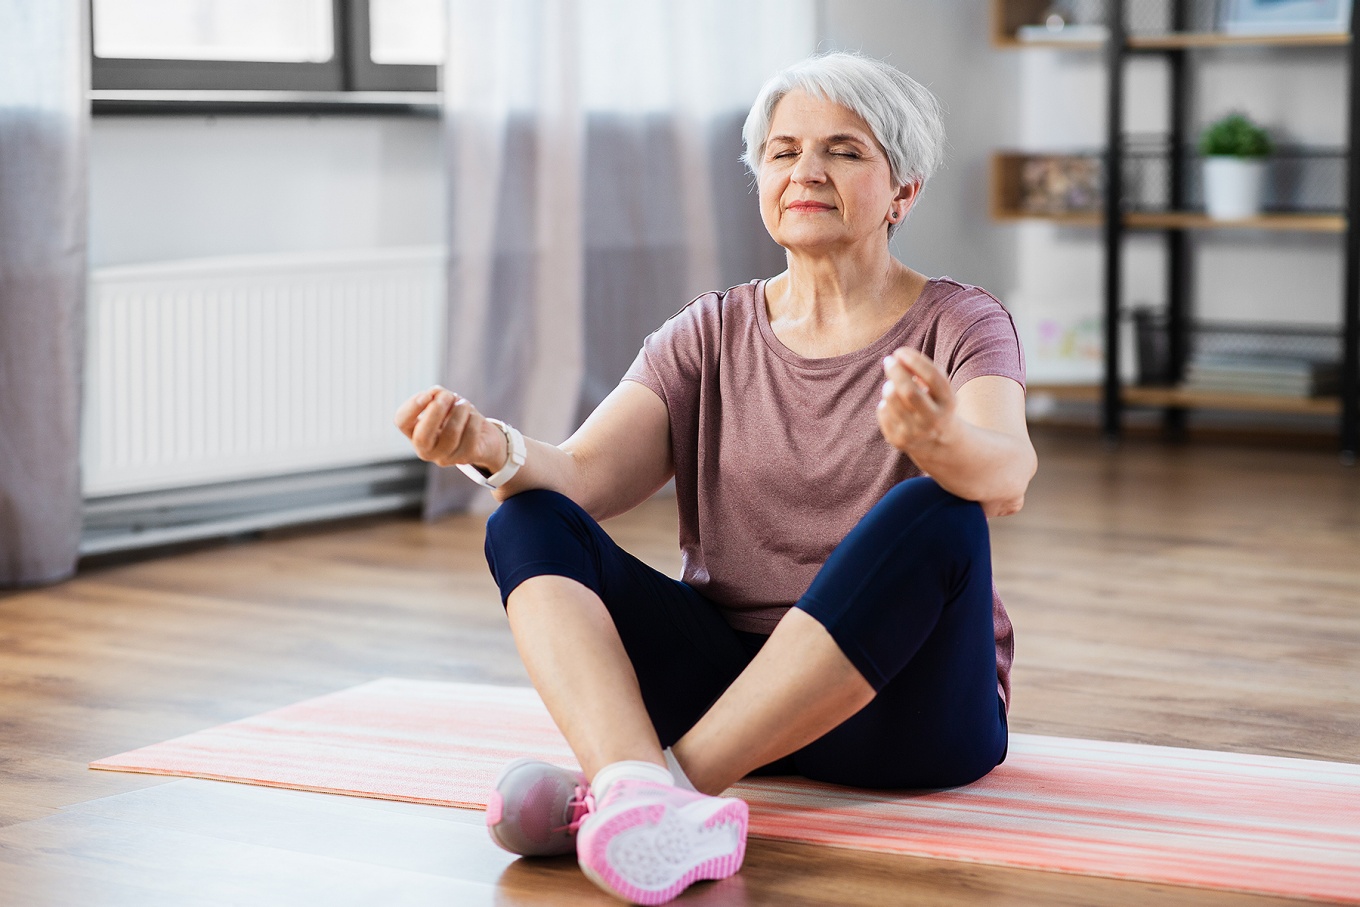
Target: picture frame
column 1285, row 17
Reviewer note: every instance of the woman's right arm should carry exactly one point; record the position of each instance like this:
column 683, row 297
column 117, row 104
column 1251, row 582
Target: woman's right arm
column 615, row 461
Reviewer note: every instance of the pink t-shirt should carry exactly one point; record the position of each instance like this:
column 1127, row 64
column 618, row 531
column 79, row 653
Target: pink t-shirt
column 778, row 456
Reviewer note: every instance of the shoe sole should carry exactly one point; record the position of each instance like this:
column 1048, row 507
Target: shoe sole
column 607, row 849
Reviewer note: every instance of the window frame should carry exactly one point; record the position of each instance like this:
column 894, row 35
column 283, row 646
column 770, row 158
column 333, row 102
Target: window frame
column 365, row 75
column 350, row 69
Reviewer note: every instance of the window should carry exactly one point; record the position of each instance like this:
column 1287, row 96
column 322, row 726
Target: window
column 284, row 45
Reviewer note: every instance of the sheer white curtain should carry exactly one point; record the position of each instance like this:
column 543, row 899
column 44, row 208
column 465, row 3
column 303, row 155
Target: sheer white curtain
column 594, row 187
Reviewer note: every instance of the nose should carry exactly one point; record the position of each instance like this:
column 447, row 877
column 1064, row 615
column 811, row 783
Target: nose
column 809, row 169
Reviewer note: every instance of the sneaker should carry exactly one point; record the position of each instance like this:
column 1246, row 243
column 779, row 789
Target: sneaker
column 647, row 842
column 535, row 808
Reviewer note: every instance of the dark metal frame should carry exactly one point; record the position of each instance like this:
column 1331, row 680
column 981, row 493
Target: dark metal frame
column 350, row 69
column 1112, row 410
column 1179, row 248
column 1350, row 362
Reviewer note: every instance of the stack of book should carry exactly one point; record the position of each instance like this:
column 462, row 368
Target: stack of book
column 1260, row 374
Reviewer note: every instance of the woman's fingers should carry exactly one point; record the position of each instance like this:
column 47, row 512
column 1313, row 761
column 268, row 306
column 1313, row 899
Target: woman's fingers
column 458, row 440
column 444, row 428
column 408, row 412
column 917, row 399
column 437, row 428
column 428, row 423
column 924, row 369
column 902, row 386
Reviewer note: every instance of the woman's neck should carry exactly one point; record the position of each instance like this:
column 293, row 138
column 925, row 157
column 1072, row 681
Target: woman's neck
column 824, row 305
column 821, row 290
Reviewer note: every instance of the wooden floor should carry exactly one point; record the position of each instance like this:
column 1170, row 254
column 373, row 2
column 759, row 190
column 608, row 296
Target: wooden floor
column 1193, row 596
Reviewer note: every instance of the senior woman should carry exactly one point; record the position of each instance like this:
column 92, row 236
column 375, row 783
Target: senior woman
column 838, row 435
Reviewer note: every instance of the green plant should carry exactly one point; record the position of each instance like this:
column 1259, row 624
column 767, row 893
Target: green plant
column 1235, row 136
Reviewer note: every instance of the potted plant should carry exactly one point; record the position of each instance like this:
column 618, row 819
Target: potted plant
column 1234, row 149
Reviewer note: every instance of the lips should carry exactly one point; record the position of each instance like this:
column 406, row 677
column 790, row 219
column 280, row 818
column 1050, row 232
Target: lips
column 808, row 206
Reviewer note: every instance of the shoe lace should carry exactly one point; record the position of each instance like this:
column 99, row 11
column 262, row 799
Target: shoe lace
column 581, row 804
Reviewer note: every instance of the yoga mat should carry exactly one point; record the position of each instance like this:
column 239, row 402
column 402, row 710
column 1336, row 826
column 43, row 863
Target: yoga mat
column 1155, row 814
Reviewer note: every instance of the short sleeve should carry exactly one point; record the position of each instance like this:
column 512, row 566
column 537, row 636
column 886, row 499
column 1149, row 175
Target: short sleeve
column 988, row 342
column 670, row 362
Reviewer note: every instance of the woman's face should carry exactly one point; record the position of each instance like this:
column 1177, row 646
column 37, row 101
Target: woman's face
column 824, row 181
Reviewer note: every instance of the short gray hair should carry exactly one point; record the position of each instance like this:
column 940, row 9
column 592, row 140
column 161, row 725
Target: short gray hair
column 903, row 114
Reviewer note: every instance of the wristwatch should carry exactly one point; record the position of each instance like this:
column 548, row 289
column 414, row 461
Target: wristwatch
column 514, row 444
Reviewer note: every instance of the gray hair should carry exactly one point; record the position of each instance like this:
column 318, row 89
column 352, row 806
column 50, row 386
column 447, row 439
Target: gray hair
column 903, row 114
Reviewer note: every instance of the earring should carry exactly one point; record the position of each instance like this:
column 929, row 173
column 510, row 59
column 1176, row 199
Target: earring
column 892, row 215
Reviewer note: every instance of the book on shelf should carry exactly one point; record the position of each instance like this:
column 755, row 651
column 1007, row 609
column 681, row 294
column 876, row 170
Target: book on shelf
column 1269, row 375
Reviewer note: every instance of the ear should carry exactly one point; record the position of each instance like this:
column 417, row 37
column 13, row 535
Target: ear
column 905, row 200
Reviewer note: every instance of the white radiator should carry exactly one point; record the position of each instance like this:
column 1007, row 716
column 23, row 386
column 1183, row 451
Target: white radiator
column 226, row 369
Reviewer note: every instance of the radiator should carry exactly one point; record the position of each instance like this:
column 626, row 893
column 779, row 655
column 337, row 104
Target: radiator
column 221, row 370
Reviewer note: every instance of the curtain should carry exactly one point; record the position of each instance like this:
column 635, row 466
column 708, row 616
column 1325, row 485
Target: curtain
column 43, row 130
column 594, row 187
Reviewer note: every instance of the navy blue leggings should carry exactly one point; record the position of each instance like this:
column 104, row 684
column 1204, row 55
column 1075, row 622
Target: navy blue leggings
column 907, row 595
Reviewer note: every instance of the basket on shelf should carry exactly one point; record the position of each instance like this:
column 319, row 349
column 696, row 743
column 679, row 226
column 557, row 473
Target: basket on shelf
column 1154, row 18
column 1061, row 184
column 1298, row 179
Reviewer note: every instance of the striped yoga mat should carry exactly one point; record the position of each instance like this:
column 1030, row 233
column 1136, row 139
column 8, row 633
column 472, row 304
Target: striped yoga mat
column 1186, row 817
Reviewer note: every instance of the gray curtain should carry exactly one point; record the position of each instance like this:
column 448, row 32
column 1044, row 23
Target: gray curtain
column 44, row 124
column 594, row 187
column 636, row 263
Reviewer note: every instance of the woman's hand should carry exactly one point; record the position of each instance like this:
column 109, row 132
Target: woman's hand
column 919, row 407
column 446, row 429
column 974, row 442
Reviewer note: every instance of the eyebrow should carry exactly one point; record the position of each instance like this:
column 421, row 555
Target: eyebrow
column 830, row 140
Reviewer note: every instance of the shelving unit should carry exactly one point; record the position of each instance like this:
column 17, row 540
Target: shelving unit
column 1177, row 217
column 1178, row 222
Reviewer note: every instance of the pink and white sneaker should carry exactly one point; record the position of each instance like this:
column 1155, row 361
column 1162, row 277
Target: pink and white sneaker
column 536, row 807
column 647, row 842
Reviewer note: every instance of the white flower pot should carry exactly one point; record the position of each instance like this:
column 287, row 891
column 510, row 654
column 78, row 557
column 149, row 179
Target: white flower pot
column 1233, row 187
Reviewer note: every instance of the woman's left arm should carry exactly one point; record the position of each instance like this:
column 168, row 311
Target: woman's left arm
column 974, row 442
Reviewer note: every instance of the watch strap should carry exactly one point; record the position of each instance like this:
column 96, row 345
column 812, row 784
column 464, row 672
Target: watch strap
column 516, row 454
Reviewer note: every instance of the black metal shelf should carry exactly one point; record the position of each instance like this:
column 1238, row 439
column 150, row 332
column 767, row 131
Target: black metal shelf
column 1173, row 211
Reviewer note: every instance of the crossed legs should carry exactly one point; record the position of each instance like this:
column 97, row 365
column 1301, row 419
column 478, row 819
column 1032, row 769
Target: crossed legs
column 579, row 666
column 894, row 634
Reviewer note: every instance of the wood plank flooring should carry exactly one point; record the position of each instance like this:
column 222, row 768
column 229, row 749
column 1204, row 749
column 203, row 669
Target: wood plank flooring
column 1191, row 596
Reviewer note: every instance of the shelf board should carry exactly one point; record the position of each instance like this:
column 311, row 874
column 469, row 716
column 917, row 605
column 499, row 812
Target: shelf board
column 1176, row 220
column 1189, row 220
column 1216, row 39
column 1010, row 42
column 1079, row 219
column 1193, row 399
column 1071, row 393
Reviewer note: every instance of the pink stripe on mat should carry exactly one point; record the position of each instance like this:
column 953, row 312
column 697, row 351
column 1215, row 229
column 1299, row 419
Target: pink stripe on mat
column 1187, row 817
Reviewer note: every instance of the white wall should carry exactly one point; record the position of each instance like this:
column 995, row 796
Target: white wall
column 172, row 187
